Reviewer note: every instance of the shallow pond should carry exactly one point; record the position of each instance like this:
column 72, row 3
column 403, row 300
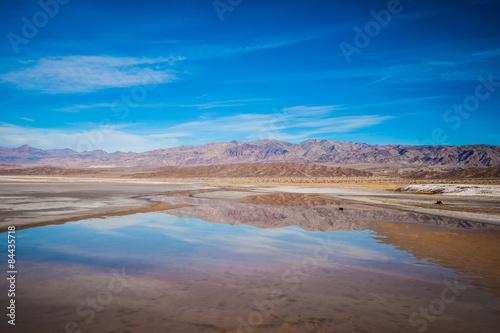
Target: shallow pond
column 156, row 272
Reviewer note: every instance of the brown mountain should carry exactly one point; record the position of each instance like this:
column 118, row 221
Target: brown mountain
column 492, row 172
column 256, row 170
column 356, row 155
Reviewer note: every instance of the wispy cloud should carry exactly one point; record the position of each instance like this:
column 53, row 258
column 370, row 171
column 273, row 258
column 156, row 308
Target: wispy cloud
column 400, row 101
column 275, row 41
column 80, row 107
column 98, row 106
column 108, row 139
column 26, row 119
column 217, row 104
column 443, row 63
column 319, row 127
column 224, row 49
column 209, row 105
column 433, row 64
column 309, row 111
column 294, row 124
column 72, row 74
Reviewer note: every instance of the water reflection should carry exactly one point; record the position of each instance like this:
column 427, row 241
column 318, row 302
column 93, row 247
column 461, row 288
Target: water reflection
column 187, row 274
column 316, row 218
column 165, row 242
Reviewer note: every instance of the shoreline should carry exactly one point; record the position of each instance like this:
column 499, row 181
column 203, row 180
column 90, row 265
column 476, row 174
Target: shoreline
column 55, row 202
column 153, row 206
column 29, row 203
column 383, row 183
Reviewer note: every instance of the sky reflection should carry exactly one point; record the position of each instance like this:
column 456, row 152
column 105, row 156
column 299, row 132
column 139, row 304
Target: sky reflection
column 162, row 242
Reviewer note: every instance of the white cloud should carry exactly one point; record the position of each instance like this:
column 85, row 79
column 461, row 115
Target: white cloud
column 79, row 107
column 26, row 119
column 209, row 105
column 220, row 104
column 95, row 106
column 90, row 73
column 108, row 139
column 294, row 124
column 302, row 110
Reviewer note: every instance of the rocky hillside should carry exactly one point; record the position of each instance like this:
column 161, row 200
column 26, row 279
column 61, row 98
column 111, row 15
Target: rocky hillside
column 256, row 170
column 326, row 152
column 484, row 173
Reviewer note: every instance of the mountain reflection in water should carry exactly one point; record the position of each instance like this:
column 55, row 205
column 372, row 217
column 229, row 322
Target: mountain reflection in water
column 211, row 266
column 315, row 218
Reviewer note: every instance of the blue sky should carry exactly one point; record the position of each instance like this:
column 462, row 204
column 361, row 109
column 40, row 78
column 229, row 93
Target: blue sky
column 136, row 76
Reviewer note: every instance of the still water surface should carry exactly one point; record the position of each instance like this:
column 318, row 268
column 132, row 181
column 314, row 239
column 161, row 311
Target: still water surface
column 162, row 273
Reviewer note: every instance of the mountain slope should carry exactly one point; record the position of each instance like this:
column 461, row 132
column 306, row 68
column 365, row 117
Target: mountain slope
column 256, row 170
column 312, row 151
column 492, row 172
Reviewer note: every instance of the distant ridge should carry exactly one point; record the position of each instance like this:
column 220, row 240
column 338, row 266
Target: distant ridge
column 325, row 152
column 46, row 171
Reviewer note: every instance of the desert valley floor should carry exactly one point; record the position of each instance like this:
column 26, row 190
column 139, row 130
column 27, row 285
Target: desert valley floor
column 146, row 255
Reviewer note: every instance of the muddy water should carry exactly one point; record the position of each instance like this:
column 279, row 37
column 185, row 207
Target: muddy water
column 156, row 272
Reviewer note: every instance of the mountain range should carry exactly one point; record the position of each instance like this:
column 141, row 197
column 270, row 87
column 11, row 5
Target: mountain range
column 326, row 152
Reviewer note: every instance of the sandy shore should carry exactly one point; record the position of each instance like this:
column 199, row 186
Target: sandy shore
column 35, row 200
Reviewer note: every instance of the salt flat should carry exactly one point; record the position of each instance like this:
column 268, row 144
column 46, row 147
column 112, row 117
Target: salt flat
column 24, row 203
column 455, row 189
column 33, row 201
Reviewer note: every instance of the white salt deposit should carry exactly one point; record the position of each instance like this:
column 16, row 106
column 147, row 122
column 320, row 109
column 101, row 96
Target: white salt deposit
column 454, row 189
